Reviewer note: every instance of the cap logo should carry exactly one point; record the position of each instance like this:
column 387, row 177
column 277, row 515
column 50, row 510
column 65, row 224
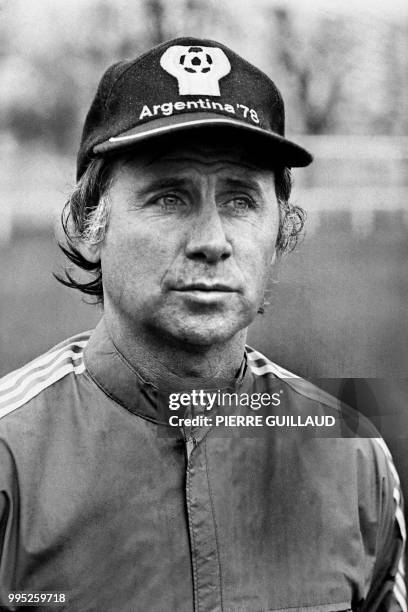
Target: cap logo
column 197, row 69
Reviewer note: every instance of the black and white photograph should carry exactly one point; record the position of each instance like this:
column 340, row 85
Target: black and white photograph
column 203, row 305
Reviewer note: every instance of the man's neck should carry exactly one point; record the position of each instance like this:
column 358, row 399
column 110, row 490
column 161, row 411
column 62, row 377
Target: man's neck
column 175, row 364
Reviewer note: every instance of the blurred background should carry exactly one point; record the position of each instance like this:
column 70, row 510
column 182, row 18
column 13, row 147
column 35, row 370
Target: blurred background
column 339, row 311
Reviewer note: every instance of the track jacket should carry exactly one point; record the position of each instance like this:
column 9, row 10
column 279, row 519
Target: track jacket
column 105, row 502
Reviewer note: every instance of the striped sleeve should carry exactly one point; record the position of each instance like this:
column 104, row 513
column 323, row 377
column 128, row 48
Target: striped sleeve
column 260, row 365
column 388, row 586
column 19, row 387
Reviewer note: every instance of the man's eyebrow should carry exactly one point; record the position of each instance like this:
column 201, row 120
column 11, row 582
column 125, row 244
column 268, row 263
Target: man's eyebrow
column 243, row 183
column 172, row 182
column 158, row 184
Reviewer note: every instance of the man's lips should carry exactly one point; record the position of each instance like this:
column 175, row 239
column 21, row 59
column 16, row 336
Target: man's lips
column 206, row 287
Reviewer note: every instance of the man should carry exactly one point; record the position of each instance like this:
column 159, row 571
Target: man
column 134, row 476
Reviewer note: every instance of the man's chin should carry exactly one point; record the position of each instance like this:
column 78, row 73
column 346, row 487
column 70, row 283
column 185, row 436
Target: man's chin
column 204, row 331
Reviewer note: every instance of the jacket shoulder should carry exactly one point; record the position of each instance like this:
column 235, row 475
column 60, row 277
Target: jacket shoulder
column 355, row 424
column 22, row 385
column 307, row 398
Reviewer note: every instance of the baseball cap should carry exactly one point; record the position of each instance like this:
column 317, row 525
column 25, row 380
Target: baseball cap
column 186, row 84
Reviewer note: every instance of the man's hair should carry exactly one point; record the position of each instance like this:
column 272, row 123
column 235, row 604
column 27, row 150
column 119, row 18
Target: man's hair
column 85, row 218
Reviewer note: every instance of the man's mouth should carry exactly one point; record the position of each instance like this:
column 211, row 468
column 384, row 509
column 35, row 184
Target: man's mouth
column 205, row 293
column 206, row 287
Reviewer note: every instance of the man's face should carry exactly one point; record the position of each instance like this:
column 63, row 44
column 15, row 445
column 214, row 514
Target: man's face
column 189, row 244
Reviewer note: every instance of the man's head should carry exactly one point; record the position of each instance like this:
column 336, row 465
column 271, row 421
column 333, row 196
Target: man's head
column 182, row 204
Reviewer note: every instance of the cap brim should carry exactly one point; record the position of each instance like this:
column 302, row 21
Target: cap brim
column 286, row 152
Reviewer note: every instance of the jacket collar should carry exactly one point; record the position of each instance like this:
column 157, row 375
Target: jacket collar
column 119, row 380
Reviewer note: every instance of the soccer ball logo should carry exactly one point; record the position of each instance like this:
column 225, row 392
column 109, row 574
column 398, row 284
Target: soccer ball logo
column 196, row 60
column 197, row 69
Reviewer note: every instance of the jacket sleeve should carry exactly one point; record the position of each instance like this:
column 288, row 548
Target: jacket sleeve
column 8, row 526
column 388, row 588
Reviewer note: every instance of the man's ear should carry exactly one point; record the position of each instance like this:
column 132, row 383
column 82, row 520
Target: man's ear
column 89, row 250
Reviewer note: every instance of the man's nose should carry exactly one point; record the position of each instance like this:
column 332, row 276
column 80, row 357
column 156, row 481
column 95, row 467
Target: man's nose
column 207, row 239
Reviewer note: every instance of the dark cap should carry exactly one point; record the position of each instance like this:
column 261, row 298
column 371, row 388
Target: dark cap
column 186, row 84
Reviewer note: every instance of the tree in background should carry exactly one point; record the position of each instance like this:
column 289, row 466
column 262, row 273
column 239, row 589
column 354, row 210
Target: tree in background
column 391, row 115
column 344, row 73
column 315, row 62
column 53, row 54
column 49, row 76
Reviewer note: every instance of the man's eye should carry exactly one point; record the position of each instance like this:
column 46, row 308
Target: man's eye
column 239, row 206
column 171, row 203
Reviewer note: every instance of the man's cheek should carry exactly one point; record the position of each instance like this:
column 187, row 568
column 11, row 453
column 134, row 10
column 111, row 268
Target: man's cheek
column 261, row 274
column 259, row 260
